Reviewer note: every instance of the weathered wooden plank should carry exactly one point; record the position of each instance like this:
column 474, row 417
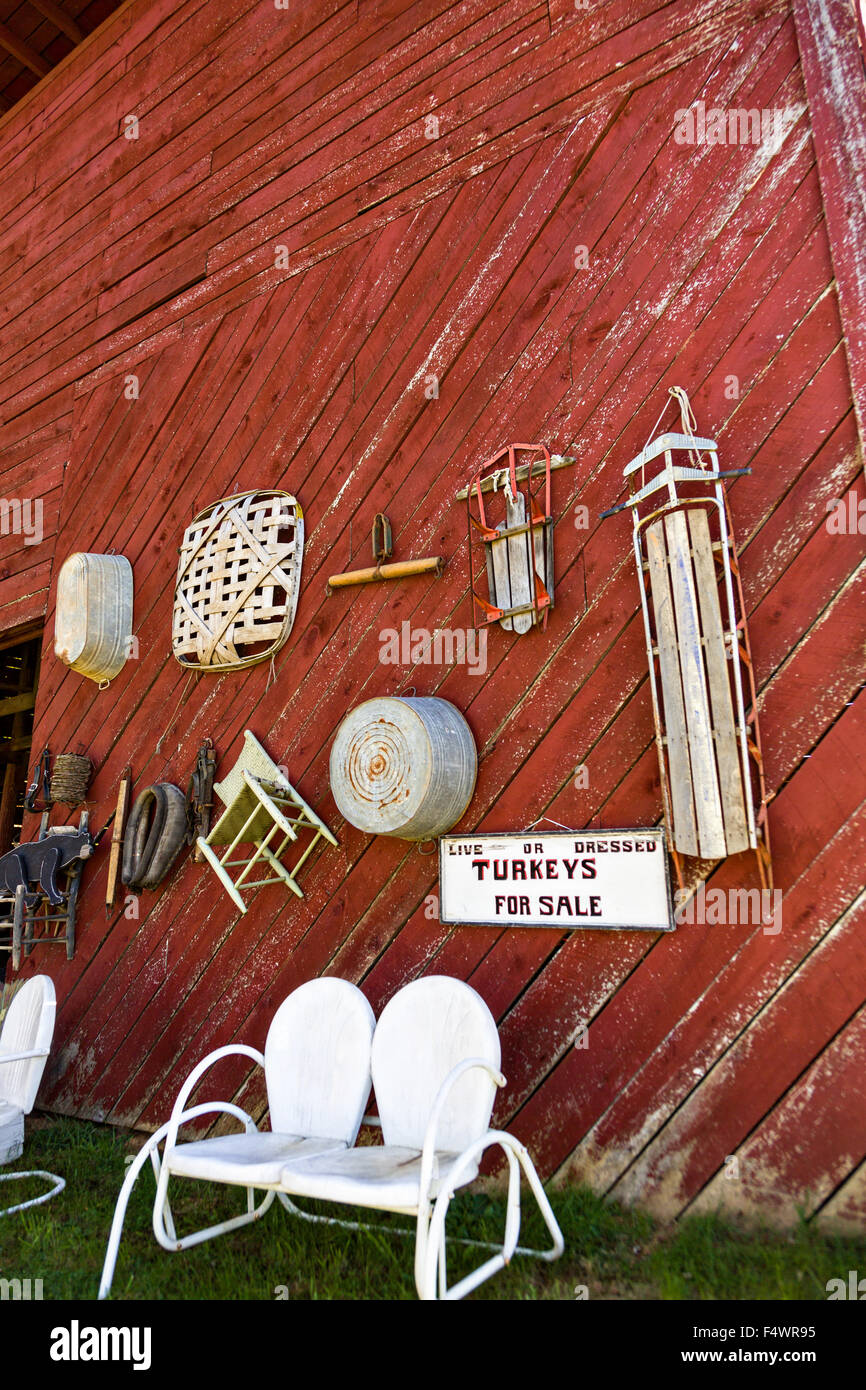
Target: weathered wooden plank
column 776, row 1182
column 704, row 263
column 686, row 828
column 768, row 1057
column 622, row 1099
column 730, row 772
column 452, row 172
column 843, row 1213
column 641, row 1059
column 833, row 74
column 688, row 659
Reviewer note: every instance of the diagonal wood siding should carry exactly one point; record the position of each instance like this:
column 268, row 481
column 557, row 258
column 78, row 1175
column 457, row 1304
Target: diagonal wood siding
column 156, row 343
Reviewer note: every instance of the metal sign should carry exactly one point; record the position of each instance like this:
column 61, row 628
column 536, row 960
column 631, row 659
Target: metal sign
column 613, row 879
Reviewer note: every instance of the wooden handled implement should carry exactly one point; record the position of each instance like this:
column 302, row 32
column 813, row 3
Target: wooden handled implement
column 399, row 569
column 117, row 837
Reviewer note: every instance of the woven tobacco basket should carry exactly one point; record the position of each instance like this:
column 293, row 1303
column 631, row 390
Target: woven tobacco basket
column 238, row 578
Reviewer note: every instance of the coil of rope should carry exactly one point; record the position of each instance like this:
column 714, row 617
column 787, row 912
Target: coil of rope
column 70, row 778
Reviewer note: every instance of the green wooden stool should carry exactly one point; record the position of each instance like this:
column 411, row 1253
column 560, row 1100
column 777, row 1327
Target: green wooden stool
column 261, row 804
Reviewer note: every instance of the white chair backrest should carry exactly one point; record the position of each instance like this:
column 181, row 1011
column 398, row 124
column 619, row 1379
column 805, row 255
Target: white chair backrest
column 425, row 1030
column 27, row 1027
column 317, row 1061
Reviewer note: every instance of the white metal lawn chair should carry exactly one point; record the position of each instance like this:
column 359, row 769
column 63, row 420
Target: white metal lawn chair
column 261, row 804
column 435, row 1064
column 317, row 1073
column 25, row 1041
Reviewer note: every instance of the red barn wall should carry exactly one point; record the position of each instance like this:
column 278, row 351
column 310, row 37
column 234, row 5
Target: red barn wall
column 408, row 256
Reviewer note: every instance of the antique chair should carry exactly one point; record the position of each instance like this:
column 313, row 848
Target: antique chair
column 435, row 1067
column 260, row 804
column 25, row 1041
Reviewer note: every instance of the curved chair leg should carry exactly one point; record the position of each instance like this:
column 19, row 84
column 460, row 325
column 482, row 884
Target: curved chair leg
column 517, row 1157
column 163, row 1225
column 163, row 1221
column 123, row 1196
column 59, row 1184
column 443, row 1272
column 428, row 1253
column 337, row 1221
column 430, row 1247
column 150, row 1150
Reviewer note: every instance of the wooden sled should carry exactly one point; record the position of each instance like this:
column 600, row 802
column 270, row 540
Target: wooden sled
column 518, row 548
column 700, row 662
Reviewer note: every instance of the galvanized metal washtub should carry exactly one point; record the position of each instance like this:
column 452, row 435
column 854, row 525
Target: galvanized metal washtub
column 403, row 766
column 93, row 620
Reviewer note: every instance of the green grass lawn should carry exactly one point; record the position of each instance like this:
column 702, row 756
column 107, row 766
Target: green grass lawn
column 615, row 1252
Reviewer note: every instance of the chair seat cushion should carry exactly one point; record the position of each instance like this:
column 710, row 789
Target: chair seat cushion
column 385, row 1177
column 250, row 1160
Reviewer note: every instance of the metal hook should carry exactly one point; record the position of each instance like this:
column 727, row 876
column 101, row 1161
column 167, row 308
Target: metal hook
column 381, row 537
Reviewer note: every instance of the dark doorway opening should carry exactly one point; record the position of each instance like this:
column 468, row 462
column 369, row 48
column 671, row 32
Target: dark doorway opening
column 19, row 677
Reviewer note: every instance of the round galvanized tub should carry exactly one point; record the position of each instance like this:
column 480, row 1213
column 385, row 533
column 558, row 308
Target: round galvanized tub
column 93, row 619
column 404, row 767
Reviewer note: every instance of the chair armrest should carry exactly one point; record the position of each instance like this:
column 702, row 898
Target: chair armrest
column 149, row 1149
column 222, row 1107
column 180, row 1114
column 429, row 1147
column 22, row 1056
column 179, row 1107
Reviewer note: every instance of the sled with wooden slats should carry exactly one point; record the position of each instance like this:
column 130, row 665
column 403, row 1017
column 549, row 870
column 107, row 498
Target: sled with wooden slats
column 515, row 527
column 699, row 657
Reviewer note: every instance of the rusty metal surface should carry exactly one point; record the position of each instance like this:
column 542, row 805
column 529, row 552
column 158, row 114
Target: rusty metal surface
column 403, row 766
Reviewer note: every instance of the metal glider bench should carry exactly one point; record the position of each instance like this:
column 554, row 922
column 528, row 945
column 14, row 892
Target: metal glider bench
column 434, row 1062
